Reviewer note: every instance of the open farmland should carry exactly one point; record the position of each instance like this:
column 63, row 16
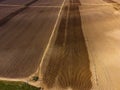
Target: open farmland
column 23, row 40
column 72, row 44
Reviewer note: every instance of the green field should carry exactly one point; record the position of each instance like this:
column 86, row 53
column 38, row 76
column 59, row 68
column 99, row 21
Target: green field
column 4, row 85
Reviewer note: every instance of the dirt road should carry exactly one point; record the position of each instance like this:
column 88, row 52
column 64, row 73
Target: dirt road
column 68, row 65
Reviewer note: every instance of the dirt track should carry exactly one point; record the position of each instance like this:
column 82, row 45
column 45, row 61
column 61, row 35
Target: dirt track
column 69, row 63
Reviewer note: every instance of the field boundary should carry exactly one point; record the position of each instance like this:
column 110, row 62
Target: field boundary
column 50, row 40
column 28, row 79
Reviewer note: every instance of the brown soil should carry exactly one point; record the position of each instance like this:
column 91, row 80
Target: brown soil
column 69, row 63
column 23, row 40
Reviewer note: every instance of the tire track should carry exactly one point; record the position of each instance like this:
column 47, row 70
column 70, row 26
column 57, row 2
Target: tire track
column 13, row 14
column 69, row 64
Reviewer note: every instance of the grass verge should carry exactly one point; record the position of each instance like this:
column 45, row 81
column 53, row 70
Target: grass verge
column 5, row 85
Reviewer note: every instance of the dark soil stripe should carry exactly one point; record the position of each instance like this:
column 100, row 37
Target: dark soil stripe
column 69, row 65
column 13, row 14
column 10, row 16
column 54, row 65
column 28, row 4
